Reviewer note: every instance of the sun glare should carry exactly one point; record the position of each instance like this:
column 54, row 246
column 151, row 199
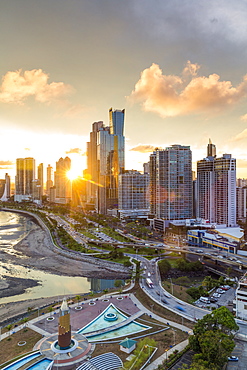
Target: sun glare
column 72, row 174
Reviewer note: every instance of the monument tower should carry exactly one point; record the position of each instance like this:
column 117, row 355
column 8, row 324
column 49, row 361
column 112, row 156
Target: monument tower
column 64, row 327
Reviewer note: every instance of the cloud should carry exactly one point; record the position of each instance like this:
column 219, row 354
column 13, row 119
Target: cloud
column 240, row 136
column 171, row 95
column 6, row 163
column 74, row 150
column 143, row 148
column 17, row 86
column 74, row 111
column 244, row 117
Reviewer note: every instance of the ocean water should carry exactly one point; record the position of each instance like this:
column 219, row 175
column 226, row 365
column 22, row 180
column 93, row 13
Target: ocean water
column 13, row 227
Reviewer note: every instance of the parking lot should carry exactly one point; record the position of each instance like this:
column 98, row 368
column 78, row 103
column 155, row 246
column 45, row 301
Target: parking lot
column 240, row 351
column 225, row 299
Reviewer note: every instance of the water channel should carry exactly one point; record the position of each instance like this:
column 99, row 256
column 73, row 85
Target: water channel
column 13, row 227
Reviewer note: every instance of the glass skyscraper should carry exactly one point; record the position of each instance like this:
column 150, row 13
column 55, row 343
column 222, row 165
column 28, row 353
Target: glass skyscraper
column 171, row 183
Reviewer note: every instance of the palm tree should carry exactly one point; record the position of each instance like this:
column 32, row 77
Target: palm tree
column 78, row 297
column 50, row 309
column 105, row 291
column 24, row 320
column 9, row 328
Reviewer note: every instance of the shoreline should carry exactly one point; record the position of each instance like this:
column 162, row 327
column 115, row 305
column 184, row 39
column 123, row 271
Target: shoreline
column 37, row 252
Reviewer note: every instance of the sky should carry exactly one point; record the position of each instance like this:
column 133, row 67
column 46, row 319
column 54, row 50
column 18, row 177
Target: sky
column 177, row 67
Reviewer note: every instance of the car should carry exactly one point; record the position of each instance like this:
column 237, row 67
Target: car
column 213, row 300
column 220, row 291
column 167, row 295
column 216, row 295
column 238, row 261
column 164, row 300
column 199, row 251
column 157, row 292
column 180, row 308
column 232, row 358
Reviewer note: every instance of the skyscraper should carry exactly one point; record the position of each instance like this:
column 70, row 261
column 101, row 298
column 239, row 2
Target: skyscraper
column 25, row 174
column 105, row 161
column 171, row 183
column 49, row 177
column 133, row 195
column 41, row 178
column 216, row 189
column 62, row 183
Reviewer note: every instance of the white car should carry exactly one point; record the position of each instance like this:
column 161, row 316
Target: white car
column 216, row 295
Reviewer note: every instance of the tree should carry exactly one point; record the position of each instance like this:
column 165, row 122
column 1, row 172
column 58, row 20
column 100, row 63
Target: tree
column 213, row 337
column 118, row 283
column 50, row 309
column 164, row 267
column 78, row 297
column 9, row 327
column 208, row 282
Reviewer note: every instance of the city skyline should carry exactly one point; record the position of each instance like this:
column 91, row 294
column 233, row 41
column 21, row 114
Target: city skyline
column 178, row 69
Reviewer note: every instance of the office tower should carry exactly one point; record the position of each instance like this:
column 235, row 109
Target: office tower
column 241, row 183
column 216, row 189
column 41, row 178
column 5, row 188
column 146, row 167
column 92, row 171
column 36, row 192
column 62, row 183
column 49, row 177
column 25, row 174
column 171, row 183
column 211, row 149
column 241, row 203
column 133, row 195
column 105, row 162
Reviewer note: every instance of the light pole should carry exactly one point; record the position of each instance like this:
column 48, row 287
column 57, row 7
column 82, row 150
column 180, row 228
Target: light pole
column 174, row 337
column 171, row 285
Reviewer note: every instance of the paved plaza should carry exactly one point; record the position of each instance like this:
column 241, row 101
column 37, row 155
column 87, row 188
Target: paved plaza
column 90, row 310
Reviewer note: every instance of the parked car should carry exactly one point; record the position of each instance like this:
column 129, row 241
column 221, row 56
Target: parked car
column 216, row 295
column 204, row 299
column 213, row 300
column 220, row 291
column 233, row 358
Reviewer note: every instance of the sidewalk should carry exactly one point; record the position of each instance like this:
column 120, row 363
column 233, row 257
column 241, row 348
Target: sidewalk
column 164, row 357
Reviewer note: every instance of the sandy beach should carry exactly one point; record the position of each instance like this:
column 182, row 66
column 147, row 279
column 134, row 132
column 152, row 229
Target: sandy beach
column 37, row 251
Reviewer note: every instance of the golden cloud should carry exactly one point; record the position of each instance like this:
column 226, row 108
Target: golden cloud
column 17, row 86
column 143, row 148
column 171, row 95
column 74, row 150
column 6, row 163
column 240, row 136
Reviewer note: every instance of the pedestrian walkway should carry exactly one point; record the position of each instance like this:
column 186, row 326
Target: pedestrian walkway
column 159, row 361
column 158, row 318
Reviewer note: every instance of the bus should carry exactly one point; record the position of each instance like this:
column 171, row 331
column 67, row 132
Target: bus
column 149, row 283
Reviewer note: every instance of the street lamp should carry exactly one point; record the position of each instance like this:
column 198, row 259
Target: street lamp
column 171, row 285
column 174, row 336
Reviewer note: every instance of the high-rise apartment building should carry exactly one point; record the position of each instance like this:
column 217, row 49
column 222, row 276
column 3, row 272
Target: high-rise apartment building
column 41, row 178
column 49, row 179
column 216, row 189
column 171, row 183
column 105, row 161
column 25, row 174
column 62, row 183
column 133, row 195
column 241, row 203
